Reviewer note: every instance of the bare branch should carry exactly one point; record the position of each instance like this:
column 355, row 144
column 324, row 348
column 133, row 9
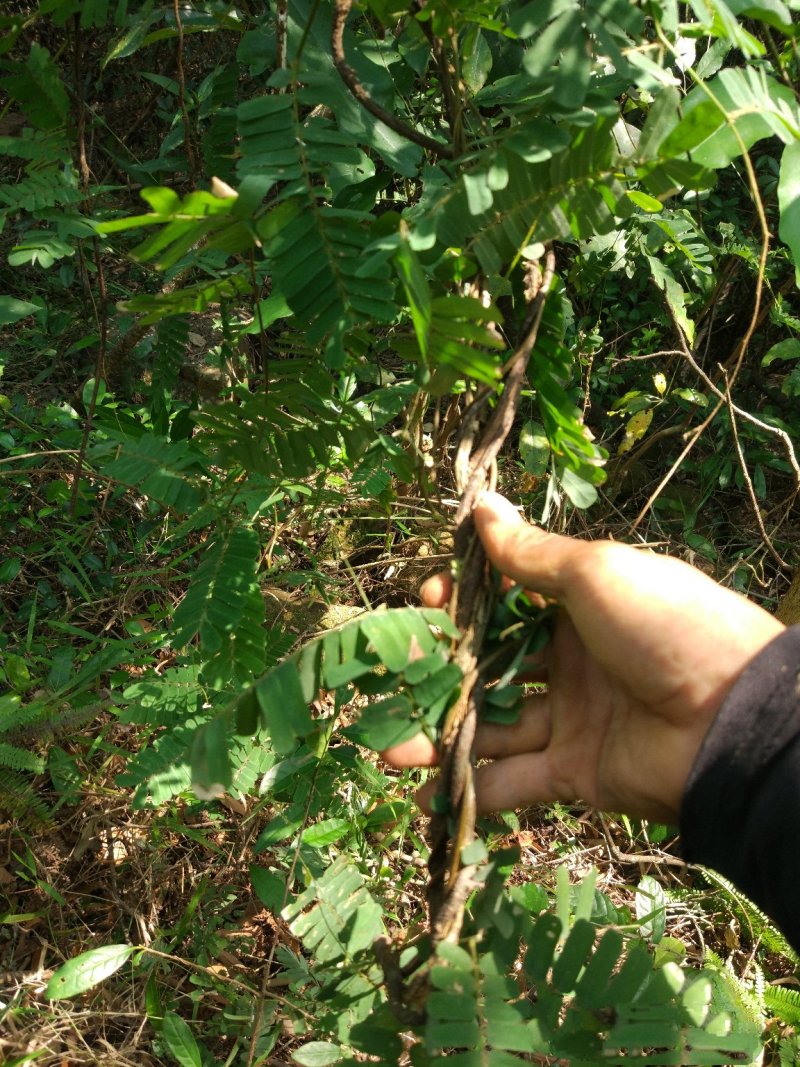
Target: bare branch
column 340, row 12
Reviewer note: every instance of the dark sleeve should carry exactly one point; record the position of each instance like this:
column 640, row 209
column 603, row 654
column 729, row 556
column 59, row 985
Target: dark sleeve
column 741, row 811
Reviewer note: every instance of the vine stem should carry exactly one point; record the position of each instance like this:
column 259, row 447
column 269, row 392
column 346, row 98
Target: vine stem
column 471, row 605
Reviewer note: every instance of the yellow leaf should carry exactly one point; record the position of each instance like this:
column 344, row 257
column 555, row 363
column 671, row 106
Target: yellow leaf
column 637, row 427
column 660, row 382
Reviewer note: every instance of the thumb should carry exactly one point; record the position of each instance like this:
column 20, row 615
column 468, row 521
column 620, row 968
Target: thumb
column 535, row 559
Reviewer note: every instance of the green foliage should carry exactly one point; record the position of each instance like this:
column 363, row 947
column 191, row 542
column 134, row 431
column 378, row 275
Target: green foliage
column 336, row 918
column 385, row 651
column 752, row 917
column 637, row 1012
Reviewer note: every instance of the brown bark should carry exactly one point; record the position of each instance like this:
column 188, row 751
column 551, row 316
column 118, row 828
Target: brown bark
column 789, row 607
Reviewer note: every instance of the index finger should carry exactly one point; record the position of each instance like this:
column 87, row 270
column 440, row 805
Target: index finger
column 533, row 558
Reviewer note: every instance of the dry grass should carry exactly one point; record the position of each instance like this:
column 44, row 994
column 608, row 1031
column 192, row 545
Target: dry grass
column 176, row 881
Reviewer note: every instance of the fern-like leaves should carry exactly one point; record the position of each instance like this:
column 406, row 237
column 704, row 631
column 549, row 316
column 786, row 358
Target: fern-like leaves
column 593, row 1002
column 161, row 469
column 223, row 605
column 289, row 431
column 315, row 256
column 505, row 203
column 336, row 918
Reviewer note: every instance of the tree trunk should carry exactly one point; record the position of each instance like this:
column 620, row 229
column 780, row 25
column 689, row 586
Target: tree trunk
column 789, row 607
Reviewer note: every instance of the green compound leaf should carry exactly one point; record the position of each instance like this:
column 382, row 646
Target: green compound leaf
column 284, row 711
column 36, row 84
column 220, row 593
column 327, row 832
column 336, row 917
column 211, row 765
column 384, row 724
column 399, row 636
column 160, row 469
column 736, row 109
column 87, row 970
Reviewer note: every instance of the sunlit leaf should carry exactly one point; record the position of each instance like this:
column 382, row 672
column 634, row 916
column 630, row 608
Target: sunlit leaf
column 12, row 310
column 87, row 970
column 534, row 447
column 317, row 1054
column 789, row 202
column 651, row 908
column 635, row 429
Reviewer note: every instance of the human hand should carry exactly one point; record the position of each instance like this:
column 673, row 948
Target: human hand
column 645, row 650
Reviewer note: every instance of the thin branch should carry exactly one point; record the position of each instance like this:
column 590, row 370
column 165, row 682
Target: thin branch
column 80, row 116
column 341, row 10
column 187, row 125
column 617, row 474
column 281, row 34
column 749, row 483
column 701, row 429
column 101, row 314
column 502, row 419
column 36, row 455
column 686, row 352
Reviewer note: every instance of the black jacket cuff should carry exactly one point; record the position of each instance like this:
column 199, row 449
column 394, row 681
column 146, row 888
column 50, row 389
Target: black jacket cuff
column 741, row 809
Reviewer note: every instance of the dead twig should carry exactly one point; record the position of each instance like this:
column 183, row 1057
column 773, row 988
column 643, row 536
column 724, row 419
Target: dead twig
column 748, row 481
